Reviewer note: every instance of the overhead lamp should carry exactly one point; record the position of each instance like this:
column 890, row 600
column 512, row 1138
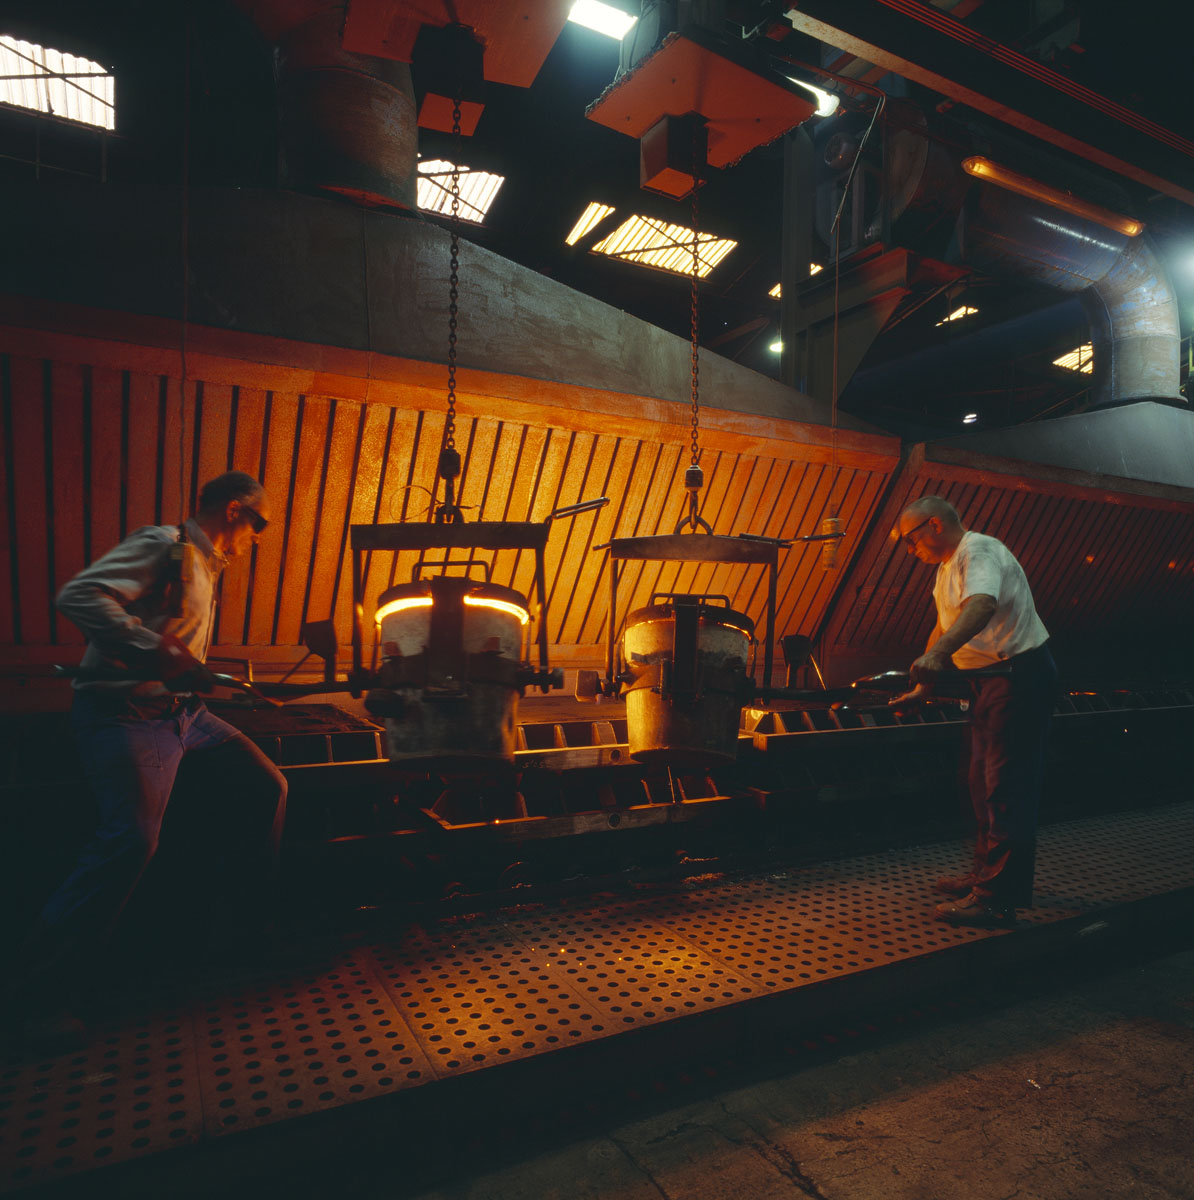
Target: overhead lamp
column 602, row 18
column 827, row 102
column 1024, row 185
column 970, row 418
column 776, row 347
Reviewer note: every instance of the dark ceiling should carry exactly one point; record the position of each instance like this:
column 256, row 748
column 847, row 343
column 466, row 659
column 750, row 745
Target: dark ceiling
column 196, row 83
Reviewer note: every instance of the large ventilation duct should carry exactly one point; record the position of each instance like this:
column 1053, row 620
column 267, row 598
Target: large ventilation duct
column 1135, row 330
column 346, row 122
column 930, row 205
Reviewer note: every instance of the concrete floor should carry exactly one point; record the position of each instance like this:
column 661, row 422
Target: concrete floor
column 1086, row 1091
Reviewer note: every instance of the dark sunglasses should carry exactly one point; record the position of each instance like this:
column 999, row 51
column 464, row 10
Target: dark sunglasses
column 907, row 538
column 255, row 518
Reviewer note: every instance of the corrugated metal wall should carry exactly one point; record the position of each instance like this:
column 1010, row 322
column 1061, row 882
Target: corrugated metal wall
column 98, row 439
column 94, row 449
column 1103, row 562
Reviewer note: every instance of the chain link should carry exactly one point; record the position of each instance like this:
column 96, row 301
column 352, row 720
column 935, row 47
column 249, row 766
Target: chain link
column 694, row 478
column 696, row 303
column 453, row 283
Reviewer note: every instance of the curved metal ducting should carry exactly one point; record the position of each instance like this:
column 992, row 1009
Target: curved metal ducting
column 1135, row 329
column 347, row 122
column 935, row 208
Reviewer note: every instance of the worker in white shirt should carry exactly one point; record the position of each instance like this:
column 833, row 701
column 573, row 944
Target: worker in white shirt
column 987, row 624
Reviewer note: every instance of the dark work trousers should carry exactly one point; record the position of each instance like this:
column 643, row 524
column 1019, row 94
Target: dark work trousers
column 1009, row 729
column 134, row 752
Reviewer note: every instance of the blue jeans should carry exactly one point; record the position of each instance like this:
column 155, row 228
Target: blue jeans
column 133, row 752
column 1009, row 729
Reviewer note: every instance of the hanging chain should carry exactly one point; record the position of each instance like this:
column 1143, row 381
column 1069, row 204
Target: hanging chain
column 694, row 477
column 453, row 282
column 449, row 458
column 695, row 324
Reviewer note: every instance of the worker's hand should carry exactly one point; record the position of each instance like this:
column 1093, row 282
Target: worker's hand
column 179, row 669
column 922, row 691
column 928, row 666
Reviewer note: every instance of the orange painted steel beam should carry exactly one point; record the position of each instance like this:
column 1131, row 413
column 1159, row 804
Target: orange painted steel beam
column 517, row 34
column 742, row 108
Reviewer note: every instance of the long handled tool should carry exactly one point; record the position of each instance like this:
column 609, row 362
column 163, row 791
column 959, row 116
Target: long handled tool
column 117, row 675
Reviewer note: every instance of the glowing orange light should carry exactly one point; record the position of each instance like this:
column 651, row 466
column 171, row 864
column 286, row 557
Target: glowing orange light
column 984, row 168
column 506, row 606
column 1090, row 558
column 401, row 605
column 408, row 602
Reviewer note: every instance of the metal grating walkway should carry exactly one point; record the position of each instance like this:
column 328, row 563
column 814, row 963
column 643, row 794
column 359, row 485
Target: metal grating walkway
column 356, row 1018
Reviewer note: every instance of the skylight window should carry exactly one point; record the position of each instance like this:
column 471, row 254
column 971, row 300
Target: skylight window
column 478, row 189
column 591, row 217
column 664, row 246
column 1079, row 359
column 604, row 18
column 963, row 310
column 48, row 81
column 813, row 269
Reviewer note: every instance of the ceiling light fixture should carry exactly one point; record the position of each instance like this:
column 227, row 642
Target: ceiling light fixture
column 984, row 168
column 602, row 18
column 827, row 102
column 776, row 347
column 970, row 418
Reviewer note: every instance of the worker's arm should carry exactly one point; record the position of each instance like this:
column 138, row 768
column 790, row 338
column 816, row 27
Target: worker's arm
column 98, row 600
column 99, row 597
column 977, row 611
column 976, row 614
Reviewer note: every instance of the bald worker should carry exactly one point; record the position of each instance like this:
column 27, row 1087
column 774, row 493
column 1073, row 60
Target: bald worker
column 987, row 622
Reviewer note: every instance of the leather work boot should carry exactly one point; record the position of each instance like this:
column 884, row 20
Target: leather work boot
column 972, row 909
column 955, row 885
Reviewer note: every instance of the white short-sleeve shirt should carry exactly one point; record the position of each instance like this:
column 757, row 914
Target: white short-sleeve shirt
column 984, row 566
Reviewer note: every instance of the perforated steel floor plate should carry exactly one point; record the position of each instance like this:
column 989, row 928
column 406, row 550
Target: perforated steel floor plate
column 134, row 1090
column 476, row 995
column 332, row 1022
column 281, row 1043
